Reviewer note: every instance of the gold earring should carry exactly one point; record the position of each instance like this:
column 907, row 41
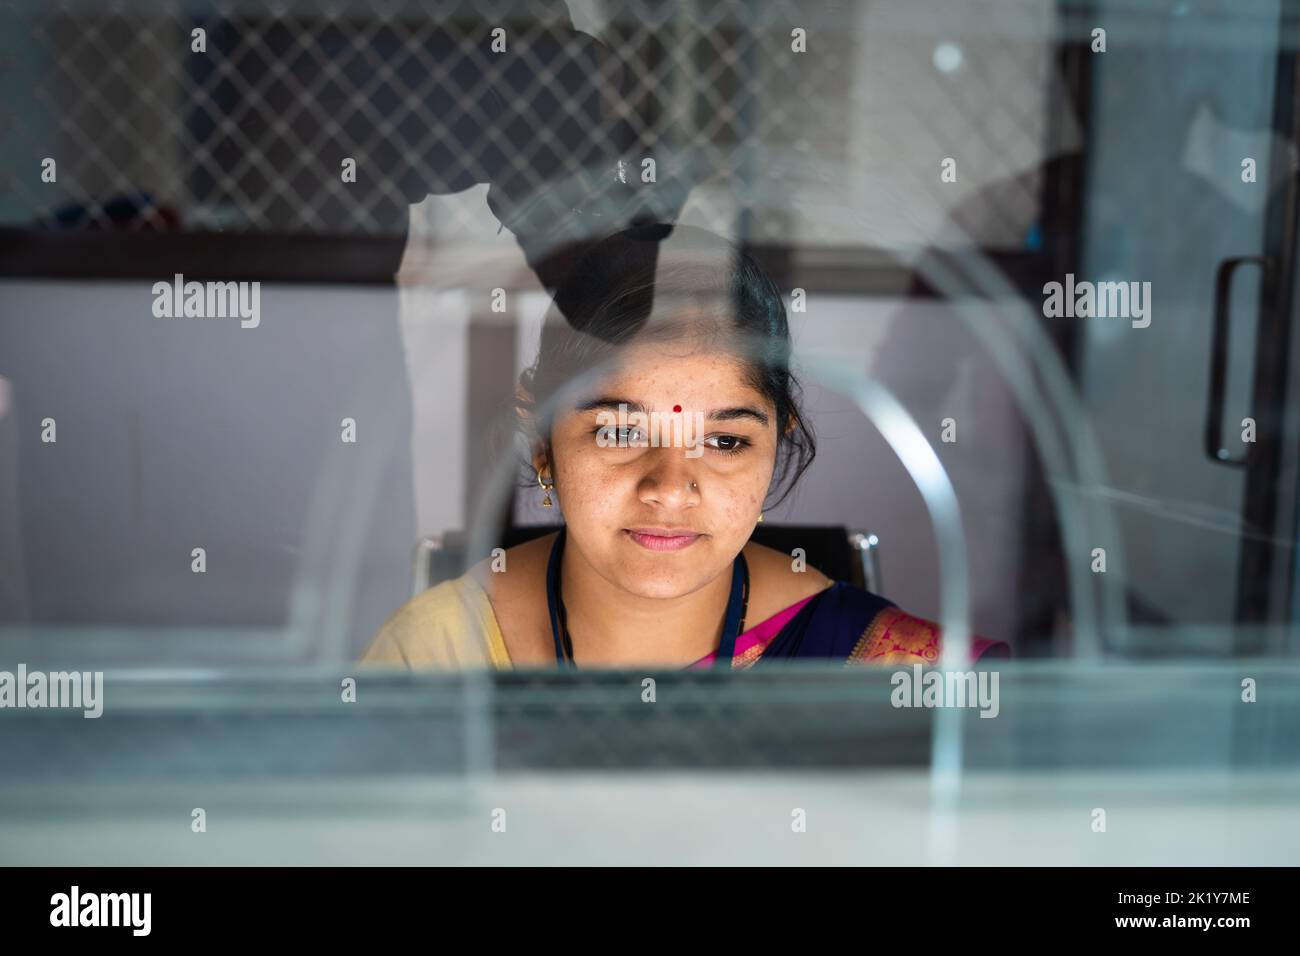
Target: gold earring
column 546, row 490
column 760, row 517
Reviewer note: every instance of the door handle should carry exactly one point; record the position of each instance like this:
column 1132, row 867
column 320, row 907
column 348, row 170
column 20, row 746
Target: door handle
column 1214, row 446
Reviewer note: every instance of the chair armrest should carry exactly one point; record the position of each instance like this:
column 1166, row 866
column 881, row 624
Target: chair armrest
column 422, row 562
column 866, row 548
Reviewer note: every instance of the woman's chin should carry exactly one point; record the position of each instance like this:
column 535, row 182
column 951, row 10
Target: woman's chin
column 659, row 579
column 653, row 572
column 658, row 586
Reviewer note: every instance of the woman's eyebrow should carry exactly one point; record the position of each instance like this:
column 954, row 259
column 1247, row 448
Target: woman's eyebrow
column 610, row 403
column 740, row 411
column 717, row 415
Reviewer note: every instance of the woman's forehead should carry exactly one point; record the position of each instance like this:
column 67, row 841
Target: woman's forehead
column 665, row 377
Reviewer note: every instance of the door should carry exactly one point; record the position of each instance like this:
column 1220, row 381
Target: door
column 1191, row 187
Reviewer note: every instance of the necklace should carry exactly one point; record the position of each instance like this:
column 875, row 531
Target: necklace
column 732, row 621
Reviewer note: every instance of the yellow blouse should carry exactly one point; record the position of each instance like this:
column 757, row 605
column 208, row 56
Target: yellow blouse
column 451, row 625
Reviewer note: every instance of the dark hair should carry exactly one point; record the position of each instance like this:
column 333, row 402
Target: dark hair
column 713, row 290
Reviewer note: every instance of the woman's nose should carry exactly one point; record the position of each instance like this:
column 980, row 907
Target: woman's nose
column 671, row 480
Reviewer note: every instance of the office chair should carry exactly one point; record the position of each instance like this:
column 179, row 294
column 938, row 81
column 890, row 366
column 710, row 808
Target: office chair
column 837, row 552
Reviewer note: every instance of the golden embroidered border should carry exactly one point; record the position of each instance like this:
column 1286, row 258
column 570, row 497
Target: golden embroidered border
column 749, row 657
column 896, row 637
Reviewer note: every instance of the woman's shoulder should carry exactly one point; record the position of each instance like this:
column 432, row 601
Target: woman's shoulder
column 858, row 626
column 514, row 583
column 891, row 635
column 451, row 625
column 778, row 581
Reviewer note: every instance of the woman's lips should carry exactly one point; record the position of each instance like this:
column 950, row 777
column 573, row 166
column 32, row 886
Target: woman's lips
column 663, row 540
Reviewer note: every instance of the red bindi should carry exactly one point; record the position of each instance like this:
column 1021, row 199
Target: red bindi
column 677, row 408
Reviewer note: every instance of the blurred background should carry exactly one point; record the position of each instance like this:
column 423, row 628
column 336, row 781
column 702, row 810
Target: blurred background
column 918, row 170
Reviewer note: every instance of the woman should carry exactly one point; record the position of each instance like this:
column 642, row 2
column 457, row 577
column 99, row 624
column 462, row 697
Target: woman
column 661, row 415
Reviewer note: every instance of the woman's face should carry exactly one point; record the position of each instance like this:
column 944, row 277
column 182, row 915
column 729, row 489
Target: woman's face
column 664, row 521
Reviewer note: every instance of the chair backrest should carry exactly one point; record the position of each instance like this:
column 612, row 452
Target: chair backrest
column 837, row 552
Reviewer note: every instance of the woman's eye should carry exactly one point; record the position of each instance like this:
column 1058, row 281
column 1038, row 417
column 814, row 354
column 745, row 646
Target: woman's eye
column 727, row 444
column 618, row 437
